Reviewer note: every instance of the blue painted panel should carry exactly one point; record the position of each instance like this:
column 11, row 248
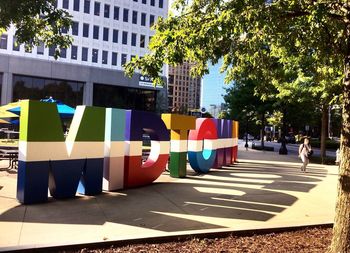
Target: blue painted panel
column 201, row 162
column 32, row 182
column 91, row 178
column 61, row 177
column 64, row 177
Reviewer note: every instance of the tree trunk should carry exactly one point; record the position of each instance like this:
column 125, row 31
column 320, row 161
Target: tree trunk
column 324, row 132
column 341, row 229
column 262, row 131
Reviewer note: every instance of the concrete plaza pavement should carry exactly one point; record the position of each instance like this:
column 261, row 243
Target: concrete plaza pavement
column 263, row 190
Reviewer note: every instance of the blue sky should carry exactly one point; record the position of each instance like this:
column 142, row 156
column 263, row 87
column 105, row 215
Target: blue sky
column 213, row 87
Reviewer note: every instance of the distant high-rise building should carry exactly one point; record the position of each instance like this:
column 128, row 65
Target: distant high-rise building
column 184, row 91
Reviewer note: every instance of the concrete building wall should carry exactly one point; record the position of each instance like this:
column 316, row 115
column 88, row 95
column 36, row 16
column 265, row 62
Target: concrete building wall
column 14, row 60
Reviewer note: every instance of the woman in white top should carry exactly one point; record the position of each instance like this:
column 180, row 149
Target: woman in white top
column 304, row 151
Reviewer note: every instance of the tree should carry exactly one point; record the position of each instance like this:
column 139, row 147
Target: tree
column 239, row 30
column 245, row 104
column 36, row 22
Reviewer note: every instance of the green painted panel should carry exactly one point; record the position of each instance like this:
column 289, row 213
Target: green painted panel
column 178, row 163
column 88, row 124
column 40, row 121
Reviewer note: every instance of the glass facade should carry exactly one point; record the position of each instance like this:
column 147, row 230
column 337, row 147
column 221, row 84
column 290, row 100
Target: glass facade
column 124, row 97
column 27, row 87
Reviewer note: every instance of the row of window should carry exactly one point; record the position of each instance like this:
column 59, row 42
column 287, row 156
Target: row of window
column 125, row 38
column 75, row 25
column 106, row 7
column 106, row 34
column 74, row 52
column 71, row 93
column 106, row 56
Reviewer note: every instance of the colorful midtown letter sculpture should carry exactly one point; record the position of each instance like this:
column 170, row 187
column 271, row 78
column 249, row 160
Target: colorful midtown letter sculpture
column 103, row 149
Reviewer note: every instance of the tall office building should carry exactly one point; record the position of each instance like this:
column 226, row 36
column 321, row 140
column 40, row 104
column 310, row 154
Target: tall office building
column 184, row 91
column 107, row 34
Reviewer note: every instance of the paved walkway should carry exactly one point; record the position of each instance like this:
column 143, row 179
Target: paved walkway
column 264, row 190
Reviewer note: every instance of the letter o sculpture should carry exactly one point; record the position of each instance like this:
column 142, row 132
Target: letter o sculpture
column 202, row 156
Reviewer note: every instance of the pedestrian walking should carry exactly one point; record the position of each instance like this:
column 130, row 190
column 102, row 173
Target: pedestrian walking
column 305, row 151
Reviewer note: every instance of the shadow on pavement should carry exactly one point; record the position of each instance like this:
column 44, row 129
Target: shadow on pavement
column 245, row 191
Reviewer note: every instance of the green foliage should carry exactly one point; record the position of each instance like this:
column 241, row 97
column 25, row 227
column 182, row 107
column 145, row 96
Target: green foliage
column 298, row 47
column 36, row 22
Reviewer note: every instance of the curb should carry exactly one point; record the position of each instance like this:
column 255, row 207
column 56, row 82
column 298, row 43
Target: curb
column 160, row 239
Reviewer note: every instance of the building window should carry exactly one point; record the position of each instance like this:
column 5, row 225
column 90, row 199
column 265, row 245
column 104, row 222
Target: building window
column 40, row 49
column 153, row 2
column 104, row 57
column 97, row 8
column 151, row 20
column 86, row 30
column 116, row 13
column 52, row 50
column 64, row 30
column 160, row 3
column 135, row 0
column 134, row 17
column 96, row 32
column 142, row 41
column 63, row 53
column 76, row 5
column 87, row 6
column 65, row 4
column 143, row 19
column 133, row 39
column 106, row 11
column 105, row 33
column 3, row 41
column 115, row 36
column 84, row 54
column 74, row 53
column 15, row 45
column 75, row 28
column 124, row 57
column 126, row 15
column 125, row 38
column 114, row 58
column 124, row 97
column 144, row 1
column 27, row 87
column 94, row 55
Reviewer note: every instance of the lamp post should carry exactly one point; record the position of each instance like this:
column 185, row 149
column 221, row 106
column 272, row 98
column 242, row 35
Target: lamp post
column 283, row 149
column 246, row 134
column 248, row 114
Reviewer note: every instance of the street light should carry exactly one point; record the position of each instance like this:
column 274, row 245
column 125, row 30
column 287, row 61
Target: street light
column 248, row 114
column 283, row 149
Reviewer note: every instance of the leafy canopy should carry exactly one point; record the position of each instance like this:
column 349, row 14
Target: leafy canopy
column 36, row 22
column 297, row 46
